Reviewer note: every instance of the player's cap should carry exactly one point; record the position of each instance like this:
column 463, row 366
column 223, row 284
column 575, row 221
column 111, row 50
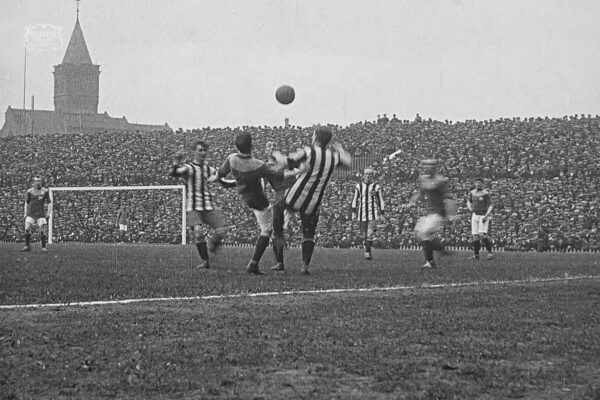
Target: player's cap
column 429, row 162
column 243, row 141
column 368, row 171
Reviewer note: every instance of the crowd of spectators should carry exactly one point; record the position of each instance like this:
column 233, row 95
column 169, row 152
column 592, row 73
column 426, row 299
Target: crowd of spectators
column 544, row 175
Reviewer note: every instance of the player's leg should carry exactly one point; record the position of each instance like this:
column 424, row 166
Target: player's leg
column 264, row 218
column 364, row 230
column 309, row 226
column 29, row 228
column 485, row 238
column 215, row 220
column 199, row 237
column 200, row 242
column 41, row 222
column 424, row 231
column 475, row 225
column 278, row 235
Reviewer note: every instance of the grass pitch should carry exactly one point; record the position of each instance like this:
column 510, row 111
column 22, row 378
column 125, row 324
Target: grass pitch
column 534, row 339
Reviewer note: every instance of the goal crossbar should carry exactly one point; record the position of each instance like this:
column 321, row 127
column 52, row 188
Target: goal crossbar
column 119, row 188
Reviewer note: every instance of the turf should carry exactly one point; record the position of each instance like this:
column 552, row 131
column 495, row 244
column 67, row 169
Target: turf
column 534, row 340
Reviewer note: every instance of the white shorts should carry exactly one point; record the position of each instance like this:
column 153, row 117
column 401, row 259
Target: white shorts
column 478, row 226
column 123, row 227
column 264, row 218
column 30, row 221
column 428, row 226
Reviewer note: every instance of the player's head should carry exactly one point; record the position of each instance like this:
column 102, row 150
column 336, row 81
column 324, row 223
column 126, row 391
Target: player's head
column 368, row 175
column 269, row 147
column 478, row 184
column 322, row 136
column 200, row 149
column 243, row 142
column 37, row 182
column 429, row 166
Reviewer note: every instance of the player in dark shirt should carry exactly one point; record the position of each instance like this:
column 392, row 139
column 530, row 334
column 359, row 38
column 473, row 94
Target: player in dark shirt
column 249, row 173
column 480, row 204
column 433, row 189
column 35, row 216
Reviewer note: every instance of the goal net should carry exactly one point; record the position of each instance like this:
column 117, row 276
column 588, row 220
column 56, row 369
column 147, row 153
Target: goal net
column 155, row 214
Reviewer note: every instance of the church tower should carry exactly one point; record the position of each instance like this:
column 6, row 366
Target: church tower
column 76, row 80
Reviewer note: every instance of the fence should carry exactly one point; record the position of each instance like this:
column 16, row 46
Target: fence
column 358, row 166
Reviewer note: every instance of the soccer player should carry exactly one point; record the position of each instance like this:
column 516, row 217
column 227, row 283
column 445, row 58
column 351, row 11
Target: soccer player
column 367, row 207
column 200, row 206
column 279, row 212
column 123, row 216
column 316, row 163
column 35, row 216
column 249, row 173
column 480, row 204
column 433, row 188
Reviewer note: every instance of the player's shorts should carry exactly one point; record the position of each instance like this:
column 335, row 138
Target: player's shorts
column 478, row 226
column 212, row 218
column 264, row 218
column 428, row 226
column 30, row 221
column 368, row 227
column 123, row 227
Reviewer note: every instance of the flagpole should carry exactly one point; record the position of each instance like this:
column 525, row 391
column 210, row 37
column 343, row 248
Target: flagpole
column 24, row 87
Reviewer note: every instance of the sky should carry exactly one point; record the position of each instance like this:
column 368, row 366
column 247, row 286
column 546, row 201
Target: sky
column 198, row 63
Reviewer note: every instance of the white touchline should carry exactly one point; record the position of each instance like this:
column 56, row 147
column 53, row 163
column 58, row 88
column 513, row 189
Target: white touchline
column 302, row 292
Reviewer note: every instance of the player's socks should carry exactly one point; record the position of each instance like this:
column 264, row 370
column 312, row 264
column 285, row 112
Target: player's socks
column 27, row 239
column 278, row 246
column 261, row 245
column 368, row 244
column 308, row 247
column 488, row 244
column 437, row 245
column 428, row 250
column 202, row 250
column 215, row 243
column 476, row 247
column 43, row 240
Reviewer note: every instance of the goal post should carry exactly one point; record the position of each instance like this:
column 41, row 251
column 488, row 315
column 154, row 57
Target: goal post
column 53, row 190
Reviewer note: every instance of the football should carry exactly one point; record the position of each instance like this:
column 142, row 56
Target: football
column 285, row 94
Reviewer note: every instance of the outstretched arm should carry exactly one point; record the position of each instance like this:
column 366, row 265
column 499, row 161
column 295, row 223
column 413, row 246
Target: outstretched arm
column 414, row 198
column 345, row 157
column 178, row 170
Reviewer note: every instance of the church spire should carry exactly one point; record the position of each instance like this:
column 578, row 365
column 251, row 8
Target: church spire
column 77, row 51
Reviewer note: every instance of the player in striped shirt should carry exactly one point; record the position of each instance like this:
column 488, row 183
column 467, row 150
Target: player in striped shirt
column 480, row 204
column 367, row 207
column 35, row 201
column 249, row 173
column 200, row 206
column 433, row 189
column 316, row 164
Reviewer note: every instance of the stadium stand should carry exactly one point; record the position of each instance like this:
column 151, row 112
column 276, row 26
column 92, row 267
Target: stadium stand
column 544, row 174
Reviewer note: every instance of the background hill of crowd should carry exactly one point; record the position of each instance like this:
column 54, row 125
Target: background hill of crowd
column 544, row 175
